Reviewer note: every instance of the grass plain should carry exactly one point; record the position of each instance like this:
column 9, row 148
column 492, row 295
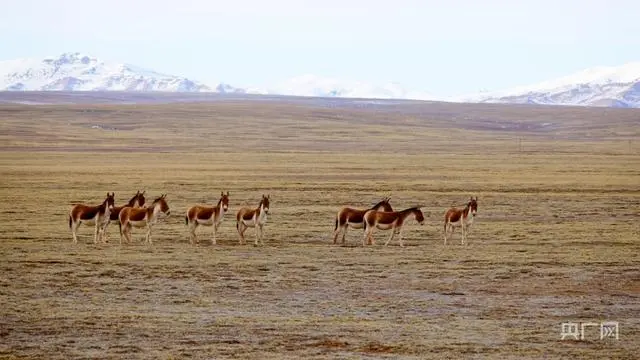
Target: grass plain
column 556, row 237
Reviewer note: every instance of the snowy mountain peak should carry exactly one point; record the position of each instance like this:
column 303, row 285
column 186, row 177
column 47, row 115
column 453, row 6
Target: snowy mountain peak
column 611, row 86
column 601, row 75
column 73, row 71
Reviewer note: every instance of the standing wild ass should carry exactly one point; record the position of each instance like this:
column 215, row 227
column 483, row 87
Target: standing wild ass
column 253, row 217
column 207, row 216
column 97, row 216
column 136, row 201
column 389, row 221
column 348, row 216
column 462, row 218
column 142, row 217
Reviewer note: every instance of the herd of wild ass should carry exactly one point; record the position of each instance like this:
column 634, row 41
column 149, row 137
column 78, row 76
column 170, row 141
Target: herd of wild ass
column 136, row 214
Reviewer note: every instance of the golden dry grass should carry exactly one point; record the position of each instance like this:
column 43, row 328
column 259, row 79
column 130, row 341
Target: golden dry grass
column 556, row 237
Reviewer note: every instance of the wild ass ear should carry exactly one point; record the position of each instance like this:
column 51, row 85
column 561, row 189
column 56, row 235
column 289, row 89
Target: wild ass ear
column 227, row 192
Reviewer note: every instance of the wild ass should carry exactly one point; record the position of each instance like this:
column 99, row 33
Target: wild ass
column 207, row 216
column 136, row 201
column 460, row 218
column 142, row 217
column 350, row 217
column 256, row 218
column 393, row 221
column 97, row 216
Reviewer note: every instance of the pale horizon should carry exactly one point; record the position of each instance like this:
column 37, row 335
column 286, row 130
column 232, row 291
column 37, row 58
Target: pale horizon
column 443, row 49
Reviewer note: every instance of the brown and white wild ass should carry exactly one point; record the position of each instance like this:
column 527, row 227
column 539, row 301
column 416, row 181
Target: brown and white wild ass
column 142, row 217
column 463, row 218
column 350, row 217
column 253, row 217
column 207, row 216
column 393, row 221
column 136, row 201
column 97, row 216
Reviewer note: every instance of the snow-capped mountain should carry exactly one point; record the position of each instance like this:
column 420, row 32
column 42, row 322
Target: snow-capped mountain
column 601, row 86
column 76, row 71
column 312, row 85
column 610, row 86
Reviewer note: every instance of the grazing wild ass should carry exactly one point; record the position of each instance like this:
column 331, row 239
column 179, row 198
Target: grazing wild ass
column 348, row 216
column 389, row 221
column 136, row 201
column 207, row 216
column 253, row 217
column 97, row 216
column 142, row 217
column 463, row 218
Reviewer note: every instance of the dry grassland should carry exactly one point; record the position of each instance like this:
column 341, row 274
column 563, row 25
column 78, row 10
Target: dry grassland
column 556, row 237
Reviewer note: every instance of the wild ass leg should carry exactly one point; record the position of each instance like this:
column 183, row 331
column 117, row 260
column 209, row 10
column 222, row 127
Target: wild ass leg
column 257, row 227
column 393, row 233
column 446, row 225
column 372, row 241
column 215, row 230
column 340, row 229
column 97, row 232
column 193, row 238
column 128, row 234
column 367, row 235
column 74, row 230
column 126, row 231
column 241, row 229
column 120, row 226
column 453, row 230
column 467, row 229
column 336, row 233
column 344, row 234
column 400, row 238
column 103, row 234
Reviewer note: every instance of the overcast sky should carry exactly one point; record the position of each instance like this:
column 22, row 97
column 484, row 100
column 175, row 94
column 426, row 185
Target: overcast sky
column 446, row 47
